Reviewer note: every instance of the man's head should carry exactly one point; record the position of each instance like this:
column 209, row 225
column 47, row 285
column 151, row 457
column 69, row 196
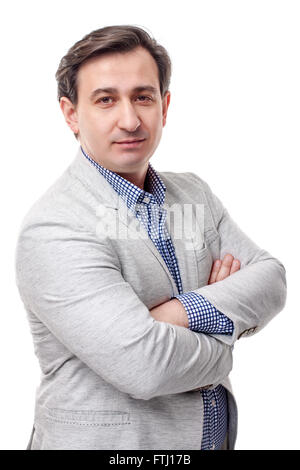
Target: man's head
column 135, row 71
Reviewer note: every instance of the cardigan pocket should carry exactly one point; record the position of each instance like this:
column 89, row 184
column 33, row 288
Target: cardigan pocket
column 60, row 429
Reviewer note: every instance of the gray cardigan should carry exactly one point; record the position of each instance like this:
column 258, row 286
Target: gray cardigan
column 113, row 377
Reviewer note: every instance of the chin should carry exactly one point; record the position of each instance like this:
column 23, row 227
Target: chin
column 130, row 156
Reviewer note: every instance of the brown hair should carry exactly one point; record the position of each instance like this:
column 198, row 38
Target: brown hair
column 120, row 38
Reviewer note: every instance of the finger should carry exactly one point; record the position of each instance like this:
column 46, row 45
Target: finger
column 235, row 266
column 214, row 271
column 225, row 267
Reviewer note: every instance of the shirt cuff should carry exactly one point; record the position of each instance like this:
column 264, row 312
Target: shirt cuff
column 203, row 316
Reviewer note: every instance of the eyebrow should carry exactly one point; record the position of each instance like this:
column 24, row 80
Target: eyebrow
column 137, row 89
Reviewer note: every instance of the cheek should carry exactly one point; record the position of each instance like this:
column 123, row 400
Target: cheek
column 92, row 124
column 155, row 121
column 158, row 124
column 158, row 134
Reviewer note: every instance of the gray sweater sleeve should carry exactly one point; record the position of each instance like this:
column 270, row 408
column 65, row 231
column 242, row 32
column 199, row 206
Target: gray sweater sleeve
column 72, row 283
column 252, row 296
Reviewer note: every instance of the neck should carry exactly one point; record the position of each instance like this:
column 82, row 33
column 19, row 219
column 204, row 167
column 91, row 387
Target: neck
column 136, row 178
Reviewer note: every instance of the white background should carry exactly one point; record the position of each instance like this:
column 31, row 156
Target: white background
column 233, row 119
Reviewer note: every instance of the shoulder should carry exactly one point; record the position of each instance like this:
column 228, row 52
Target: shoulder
column 188, row 181
column 66, row 203
column 192, row 184
column 190, row 187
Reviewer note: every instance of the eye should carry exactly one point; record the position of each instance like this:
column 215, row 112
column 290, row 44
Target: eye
column 104, row 98
column 148, row 98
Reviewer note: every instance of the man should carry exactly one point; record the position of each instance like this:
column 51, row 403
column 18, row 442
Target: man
column 133, row 319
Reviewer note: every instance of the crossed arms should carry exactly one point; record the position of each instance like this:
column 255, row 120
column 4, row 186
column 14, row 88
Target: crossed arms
column 174, row 312
column 73, row 285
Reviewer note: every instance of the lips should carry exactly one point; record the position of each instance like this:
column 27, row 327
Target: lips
column 129, row 141
column 131, row 144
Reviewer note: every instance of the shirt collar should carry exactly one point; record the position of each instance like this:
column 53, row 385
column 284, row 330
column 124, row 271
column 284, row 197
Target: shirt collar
column 131, row 193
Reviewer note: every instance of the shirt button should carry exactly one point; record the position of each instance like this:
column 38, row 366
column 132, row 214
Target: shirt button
column 213, row 446
column 213, row 402
column 146, row 199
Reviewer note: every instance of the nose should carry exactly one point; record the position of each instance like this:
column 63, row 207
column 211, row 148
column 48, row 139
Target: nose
column 128, row 118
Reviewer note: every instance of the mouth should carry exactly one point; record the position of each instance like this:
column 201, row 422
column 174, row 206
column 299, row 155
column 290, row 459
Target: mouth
column 131, row 143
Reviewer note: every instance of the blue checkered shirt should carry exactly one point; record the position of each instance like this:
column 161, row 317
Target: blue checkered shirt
column 202, row 315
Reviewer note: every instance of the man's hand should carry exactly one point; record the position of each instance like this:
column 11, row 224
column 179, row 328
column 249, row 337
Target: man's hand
column 222, row 269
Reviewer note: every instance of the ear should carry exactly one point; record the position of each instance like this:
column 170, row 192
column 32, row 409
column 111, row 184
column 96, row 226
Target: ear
column 70, row 114
column 166, row 102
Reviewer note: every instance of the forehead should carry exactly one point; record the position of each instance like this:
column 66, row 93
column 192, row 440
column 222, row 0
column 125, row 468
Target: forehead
column 118, row 70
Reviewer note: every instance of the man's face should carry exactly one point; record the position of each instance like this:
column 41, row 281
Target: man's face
column 126, row 111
